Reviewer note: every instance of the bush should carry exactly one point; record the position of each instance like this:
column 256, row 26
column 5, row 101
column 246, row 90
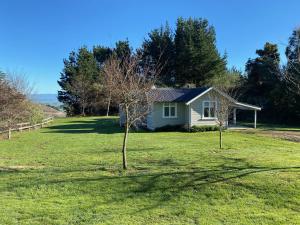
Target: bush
column 171, row 128
column 35, row 113
column 203, row 128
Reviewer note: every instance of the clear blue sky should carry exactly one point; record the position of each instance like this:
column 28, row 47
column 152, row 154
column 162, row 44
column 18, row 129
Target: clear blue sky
column 36, row 35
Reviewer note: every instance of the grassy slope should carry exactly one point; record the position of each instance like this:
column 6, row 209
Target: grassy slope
column 70, row 173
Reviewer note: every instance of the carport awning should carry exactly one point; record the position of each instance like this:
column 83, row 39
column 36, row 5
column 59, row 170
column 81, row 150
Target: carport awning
column 244, row 106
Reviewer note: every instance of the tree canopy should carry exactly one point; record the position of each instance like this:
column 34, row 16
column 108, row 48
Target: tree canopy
column 189, row 58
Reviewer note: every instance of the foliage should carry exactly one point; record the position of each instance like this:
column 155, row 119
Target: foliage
column 82, row 80
column 263, row 71
column 122, row 50
column 36, row 114
column 232, row 79
column 203, row 128
column 292, row 74
column 264, row 83
column 159, row 47
column 182, row 128
column 273, row 88
column 69, row 173
column 101, row 54
column 197, row 58
column 170, row 128
column 189, row 56
column 13, row 105
column 79, row 82
column 293, row 56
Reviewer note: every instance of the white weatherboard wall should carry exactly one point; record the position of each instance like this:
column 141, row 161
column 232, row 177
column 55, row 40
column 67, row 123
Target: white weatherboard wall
column 157, row 119
column 197, row 111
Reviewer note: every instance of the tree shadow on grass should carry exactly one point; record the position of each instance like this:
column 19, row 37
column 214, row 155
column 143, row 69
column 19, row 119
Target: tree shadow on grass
column 166, row 185
column 101, row 126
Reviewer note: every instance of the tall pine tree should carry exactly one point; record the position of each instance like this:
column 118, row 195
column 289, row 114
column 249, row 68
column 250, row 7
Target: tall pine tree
column 198, row 61
column 159, row 48
column 264, row 83
column 293, row 74
column 78, row 82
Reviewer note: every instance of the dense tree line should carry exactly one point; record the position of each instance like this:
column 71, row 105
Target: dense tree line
column 190, row 58
column 82, row 81
column 273, row 86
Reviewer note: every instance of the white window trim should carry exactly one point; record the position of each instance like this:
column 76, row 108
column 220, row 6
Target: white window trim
column 209, row 118
column 163, row 111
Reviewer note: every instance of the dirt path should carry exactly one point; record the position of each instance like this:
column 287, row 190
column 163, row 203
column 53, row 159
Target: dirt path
column 286, row 135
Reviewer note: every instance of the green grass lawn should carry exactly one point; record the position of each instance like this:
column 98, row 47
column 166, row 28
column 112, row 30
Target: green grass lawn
column 70, row 173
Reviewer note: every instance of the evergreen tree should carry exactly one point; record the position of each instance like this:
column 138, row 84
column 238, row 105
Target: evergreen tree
column 79, row 82
column 197, row 58
column 293, row 64
column 101, row 54
column 264, row 83
column 122, row 49
column 159, row 48
column 66, row 76
column 293, row 75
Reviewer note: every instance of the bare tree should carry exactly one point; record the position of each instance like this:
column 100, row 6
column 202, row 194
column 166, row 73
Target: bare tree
column 20, row 82
column 291, row 72
column 15, row 106
column 130, row 84
column 292, row 78
column 12, row 105
column 108, row 86
column 223, row 98
column 219, row 108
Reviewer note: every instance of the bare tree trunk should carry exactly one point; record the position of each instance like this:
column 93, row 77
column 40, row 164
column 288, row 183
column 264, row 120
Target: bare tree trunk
column 125, row 139
column 9, row 134
column 221, row 138
column 125, row 146
column 108, row 105
column 82, row 110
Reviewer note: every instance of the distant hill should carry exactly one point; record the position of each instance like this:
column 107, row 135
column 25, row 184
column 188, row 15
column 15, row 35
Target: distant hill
column 46, row 99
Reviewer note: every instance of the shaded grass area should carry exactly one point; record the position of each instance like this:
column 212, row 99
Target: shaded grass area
column 70, row 173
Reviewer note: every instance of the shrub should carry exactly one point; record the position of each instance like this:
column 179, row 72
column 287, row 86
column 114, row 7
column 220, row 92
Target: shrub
column 35, row 113
column 171, row 128
column 203, row 128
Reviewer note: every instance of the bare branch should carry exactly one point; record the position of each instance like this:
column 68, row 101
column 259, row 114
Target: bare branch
column 129, row 83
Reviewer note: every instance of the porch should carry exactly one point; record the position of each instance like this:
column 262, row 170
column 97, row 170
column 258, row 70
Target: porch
column 243, row 106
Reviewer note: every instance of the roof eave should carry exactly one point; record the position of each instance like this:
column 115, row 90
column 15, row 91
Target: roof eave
column 198, row 96
column 253, row 107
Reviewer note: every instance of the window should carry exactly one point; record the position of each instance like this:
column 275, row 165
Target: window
column 209, row 109
column 170, row 110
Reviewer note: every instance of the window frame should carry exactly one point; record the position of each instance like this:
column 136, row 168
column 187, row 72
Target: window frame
column 209, row 107
column 168, row 104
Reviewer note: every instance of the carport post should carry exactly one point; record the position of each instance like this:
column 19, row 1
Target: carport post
column 255, row 118
column 234, row 116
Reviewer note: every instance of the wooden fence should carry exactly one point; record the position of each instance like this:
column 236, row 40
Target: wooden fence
column 27, row 126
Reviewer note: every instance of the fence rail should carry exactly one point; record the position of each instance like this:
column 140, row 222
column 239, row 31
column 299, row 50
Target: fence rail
column 26, row 126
